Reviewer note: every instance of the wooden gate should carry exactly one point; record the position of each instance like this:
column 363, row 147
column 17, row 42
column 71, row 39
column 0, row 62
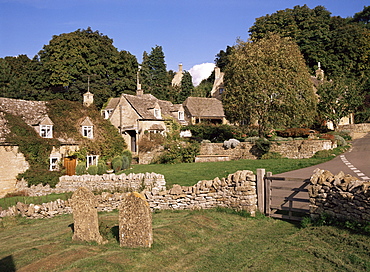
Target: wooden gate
column 70, row 165
column 282, row 197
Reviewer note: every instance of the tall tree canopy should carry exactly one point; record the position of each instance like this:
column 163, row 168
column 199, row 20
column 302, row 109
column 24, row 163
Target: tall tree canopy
column 338, row 98
column 268, row 82
column 154, row 76
column 71, row 59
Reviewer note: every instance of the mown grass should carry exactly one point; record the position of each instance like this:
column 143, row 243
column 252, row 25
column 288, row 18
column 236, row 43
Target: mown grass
column 11, row 201
column 206, row 240
column 187, row 174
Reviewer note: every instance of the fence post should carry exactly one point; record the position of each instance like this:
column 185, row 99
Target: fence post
column 268, row 194
column 261, row 190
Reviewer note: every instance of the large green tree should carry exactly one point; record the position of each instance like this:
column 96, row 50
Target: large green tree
column 186, row 88
column 309, row 28
column 71, row 60
column 154, row 76
column 268, row 82
column 338, row 98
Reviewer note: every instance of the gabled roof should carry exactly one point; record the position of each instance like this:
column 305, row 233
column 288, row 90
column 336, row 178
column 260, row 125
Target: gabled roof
column 204, row 107
column 46, row 121
column 112, row 103
column 87, row 122
column 142, row 104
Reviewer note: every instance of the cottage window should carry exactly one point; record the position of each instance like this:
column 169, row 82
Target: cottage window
column 107, row 113
column 181, row 115
column 54, row 164
column 91, row 160
column 46, row 131
column 221, row 90
column 87, row 131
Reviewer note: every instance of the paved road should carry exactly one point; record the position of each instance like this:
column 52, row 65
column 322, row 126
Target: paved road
column 355, row 162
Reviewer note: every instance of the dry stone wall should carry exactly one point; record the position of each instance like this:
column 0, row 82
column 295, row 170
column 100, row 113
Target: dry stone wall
column 98, row 183
column 297, row 149
column 341, row 196
column 237, row 191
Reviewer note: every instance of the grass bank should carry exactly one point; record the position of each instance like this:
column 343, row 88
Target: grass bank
column 206, row 240
column 187, row 174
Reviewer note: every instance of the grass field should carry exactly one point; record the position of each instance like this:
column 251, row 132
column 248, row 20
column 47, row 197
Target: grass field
column 187, row 174
column 207, row 240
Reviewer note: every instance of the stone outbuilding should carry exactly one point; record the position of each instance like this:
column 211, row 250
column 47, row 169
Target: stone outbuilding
column 201, row 109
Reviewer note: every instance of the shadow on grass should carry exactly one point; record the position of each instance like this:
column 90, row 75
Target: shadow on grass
column 7, row 264
column 115, row 232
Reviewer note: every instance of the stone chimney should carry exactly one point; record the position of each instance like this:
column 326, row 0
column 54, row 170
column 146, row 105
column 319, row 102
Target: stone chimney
column 88, row 99
column 180, row 67
column 217, row 72
column 139, row 91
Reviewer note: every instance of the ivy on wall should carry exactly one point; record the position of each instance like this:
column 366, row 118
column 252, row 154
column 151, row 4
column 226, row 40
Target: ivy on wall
column 67, row 117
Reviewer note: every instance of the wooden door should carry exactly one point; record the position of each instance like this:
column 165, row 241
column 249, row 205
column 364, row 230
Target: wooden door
column 70, row 165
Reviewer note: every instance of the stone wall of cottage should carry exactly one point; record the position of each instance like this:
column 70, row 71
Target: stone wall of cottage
column 341, row 196
column 297, row 149
column 12, row 163
column 237, row 191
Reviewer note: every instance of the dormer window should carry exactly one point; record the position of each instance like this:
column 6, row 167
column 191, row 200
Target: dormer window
column 46, row 131
column 181, row 115
column 107, row 113
column 157, row 113
column 87, row 128
column 87, row 132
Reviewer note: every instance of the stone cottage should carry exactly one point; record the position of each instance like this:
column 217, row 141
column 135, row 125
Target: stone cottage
column 135, row 115
column 35, row 115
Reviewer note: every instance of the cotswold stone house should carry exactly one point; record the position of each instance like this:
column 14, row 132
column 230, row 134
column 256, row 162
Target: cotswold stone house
column 201, row 109
column 218, row 85
column 135, row 115
column 35, row 115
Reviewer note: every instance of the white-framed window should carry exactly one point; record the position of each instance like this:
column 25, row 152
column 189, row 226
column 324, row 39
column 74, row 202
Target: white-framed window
column 157, row 113
column 91, row 160
column 181, row 115
column 107, row 113
column 53, row 164
column 46, row 131
column 87, row 131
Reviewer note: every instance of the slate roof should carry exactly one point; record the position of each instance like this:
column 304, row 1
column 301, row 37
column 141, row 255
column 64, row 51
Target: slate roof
column 204, row 107
column 142, row 104
column 32, row 112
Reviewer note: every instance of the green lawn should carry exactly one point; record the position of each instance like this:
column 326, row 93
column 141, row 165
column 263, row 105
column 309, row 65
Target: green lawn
column 188, row 174
column 206, row 240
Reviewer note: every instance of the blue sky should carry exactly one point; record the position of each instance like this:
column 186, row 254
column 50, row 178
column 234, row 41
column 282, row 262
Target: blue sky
column 191, row 32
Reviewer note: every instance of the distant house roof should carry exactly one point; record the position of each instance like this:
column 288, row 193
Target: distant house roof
column 204, row 107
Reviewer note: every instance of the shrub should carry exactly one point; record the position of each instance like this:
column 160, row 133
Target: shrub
column 263, row 145
column 102, row 168
column 117, row 164
column 340, row 140
column 214, row 133
column 80, row 168
column 295, row 132
column 128, row 154
column 271, row 155
column 327, row 136
column 125, row 162
column 178, row 152
column 150, row 141
column 92, row 170
column 323, row 154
